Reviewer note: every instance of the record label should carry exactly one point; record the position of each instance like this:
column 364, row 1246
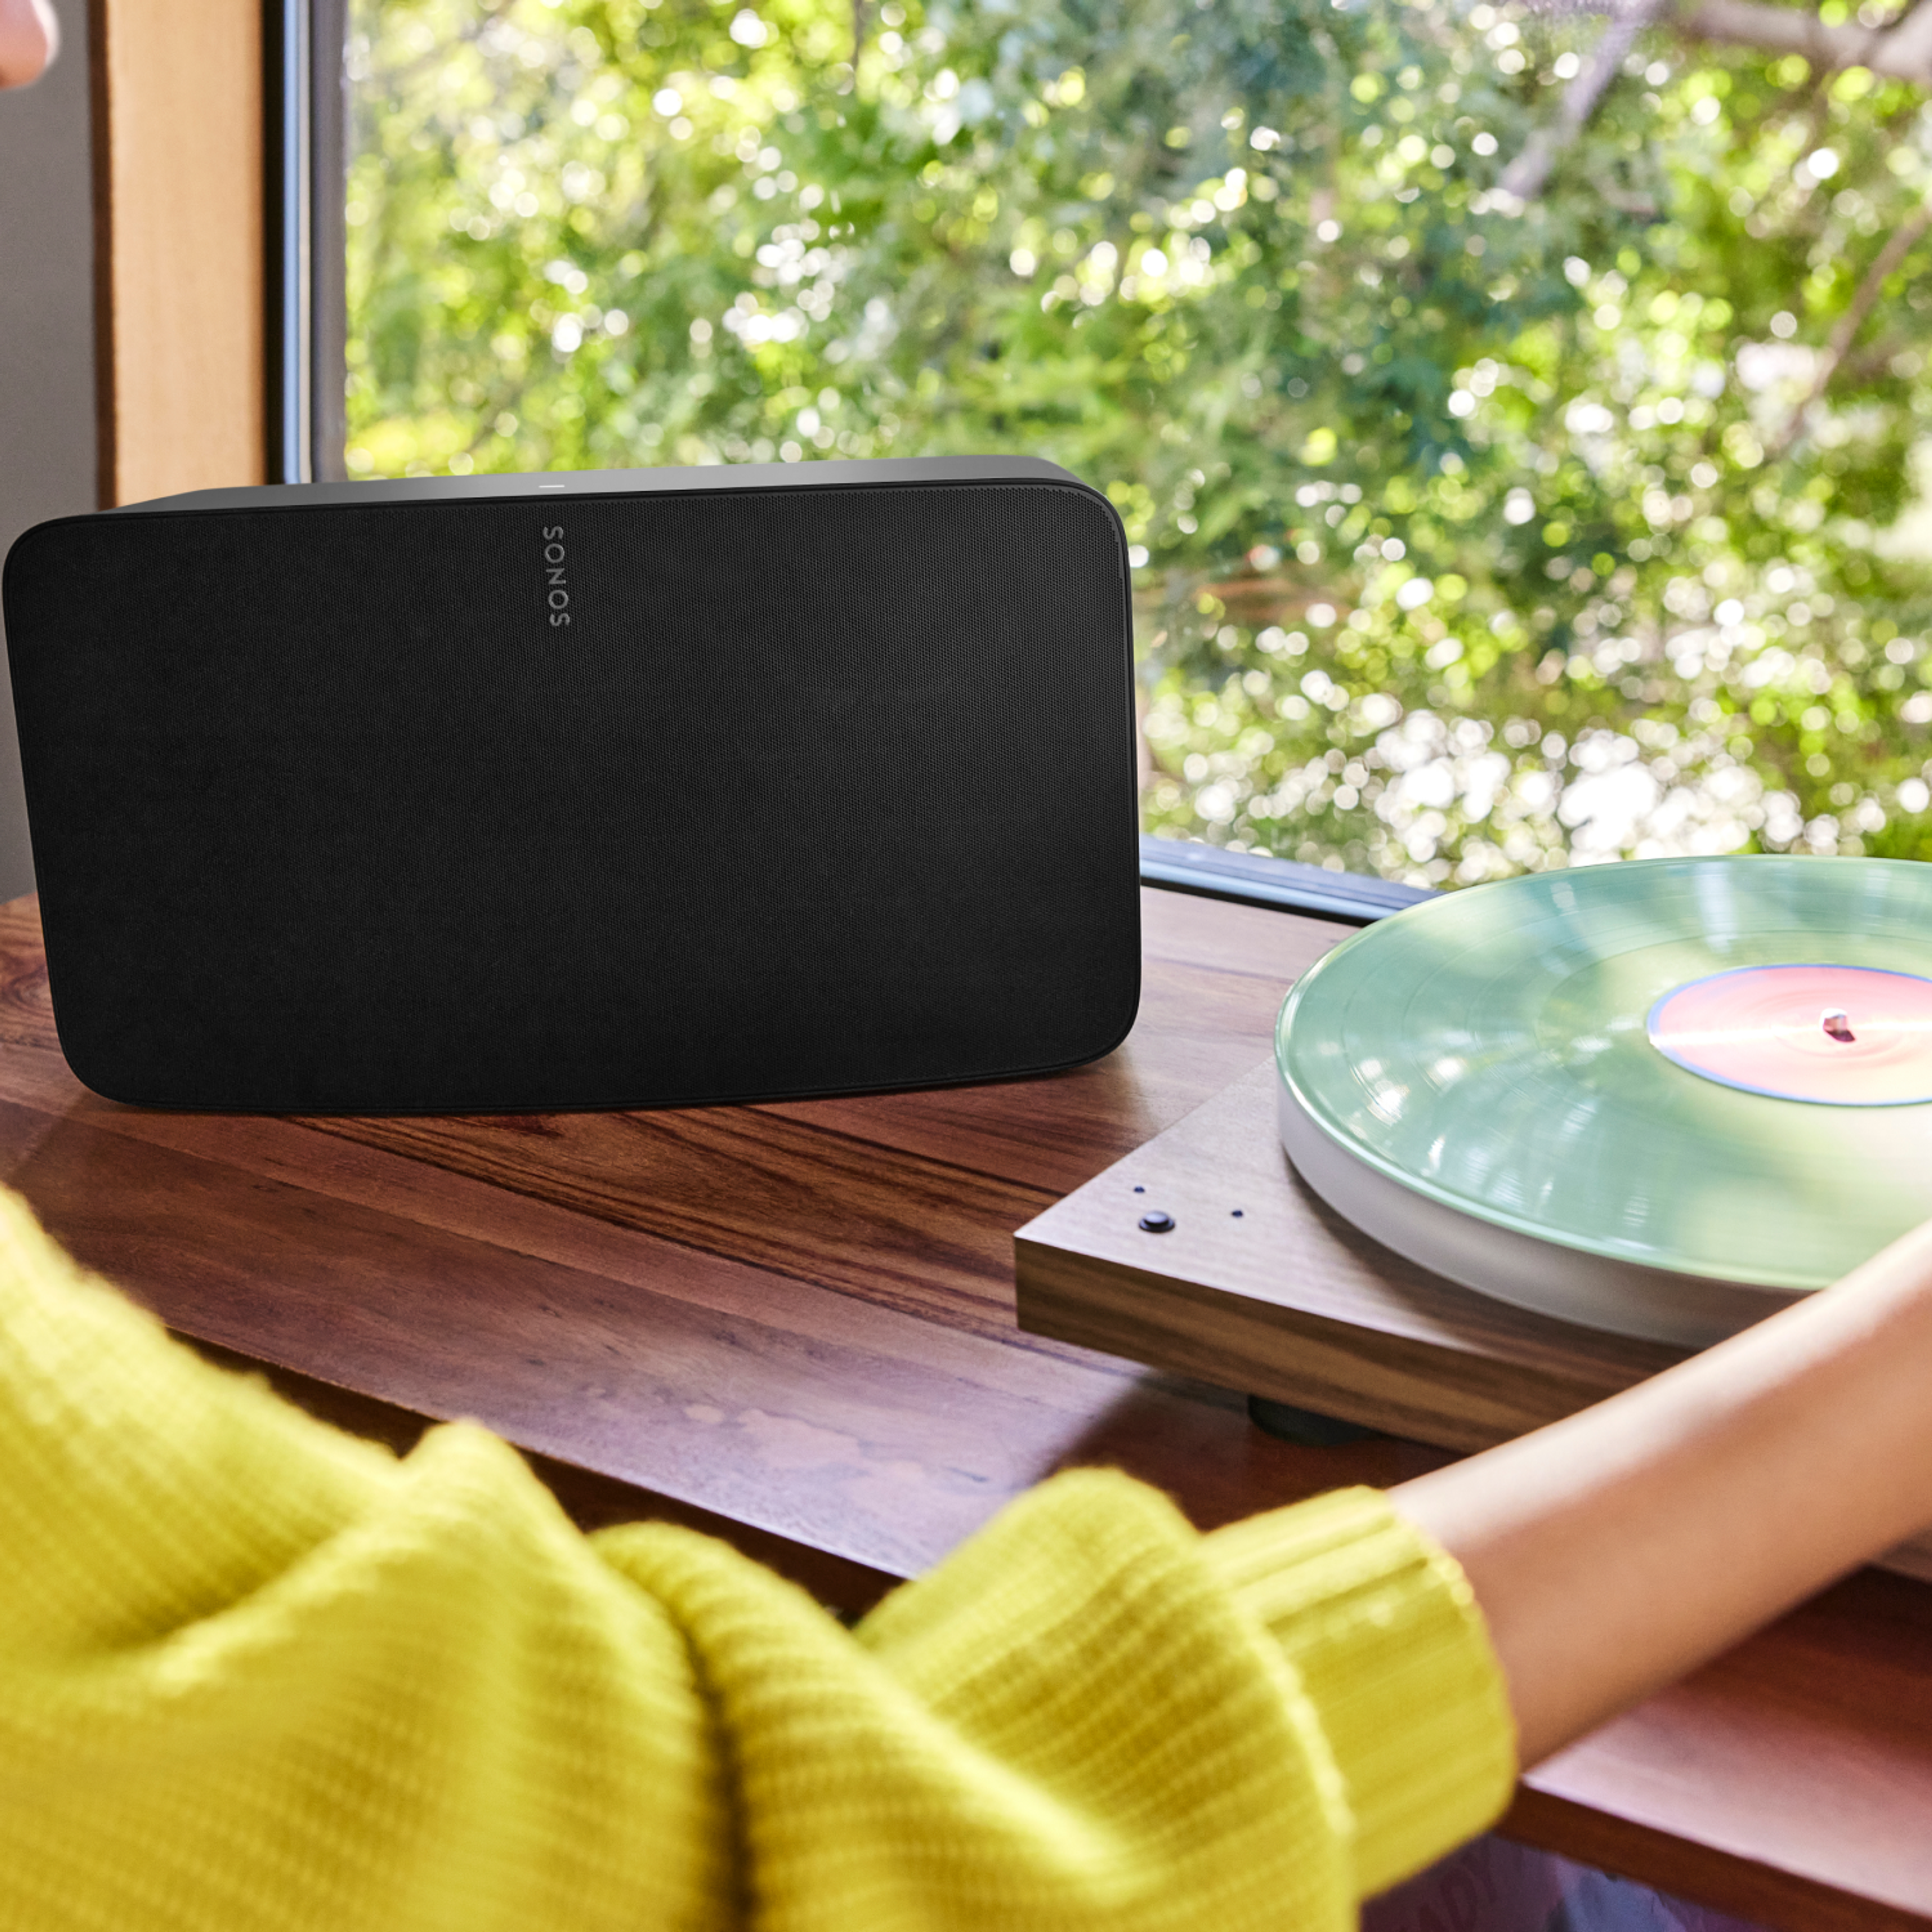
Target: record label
column 1835, row 1036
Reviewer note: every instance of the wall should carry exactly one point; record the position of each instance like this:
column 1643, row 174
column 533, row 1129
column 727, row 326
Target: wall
column 46, row 342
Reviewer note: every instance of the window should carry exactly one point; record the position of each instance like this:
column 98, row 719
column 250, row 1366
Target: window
column 1517, row 416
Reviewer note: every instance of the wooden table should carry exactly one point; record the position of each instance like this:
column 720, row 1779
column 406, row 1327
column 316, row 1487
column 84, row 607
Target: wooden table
column 793, row 1324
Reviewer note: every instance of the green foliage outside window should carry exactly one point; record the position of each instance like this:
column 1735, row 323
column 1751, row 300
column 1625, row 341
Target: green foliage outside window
column 1482, row 522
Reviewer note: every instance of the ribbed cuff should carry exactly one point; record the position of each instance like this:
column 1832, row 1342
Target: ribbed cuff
column 1382, row 1628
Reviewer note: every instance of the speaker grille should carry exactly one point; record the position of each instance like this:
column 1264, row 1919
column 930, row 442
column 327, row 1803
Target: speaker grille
column 816, row 790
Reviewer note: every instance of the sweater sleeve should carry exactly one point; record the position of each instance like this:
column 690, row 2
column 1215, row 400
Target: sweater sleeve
column 1382, row 1632
column 256, row 1674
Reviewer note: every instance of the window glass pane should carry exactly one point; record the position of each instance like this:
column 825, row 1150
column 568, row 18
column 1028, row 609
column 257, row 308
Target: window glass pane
column 1516, row 417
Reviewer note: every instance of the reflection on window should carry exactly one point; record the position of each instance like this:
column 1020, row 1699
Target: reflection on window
column 1515, row 418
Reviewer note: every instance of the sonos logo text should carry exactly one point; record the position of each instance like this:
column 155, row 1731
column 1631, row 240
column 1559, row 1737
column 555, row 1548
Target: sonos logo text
column 559, row 585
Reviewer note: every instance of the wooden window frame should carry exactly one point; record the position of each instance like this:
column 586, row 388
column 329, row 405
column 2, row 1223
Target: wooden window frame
column 180, row 309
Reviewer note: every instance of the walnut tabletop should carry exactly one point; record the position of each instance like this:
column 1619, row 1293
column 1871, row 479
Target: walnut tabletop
column 793, row 1325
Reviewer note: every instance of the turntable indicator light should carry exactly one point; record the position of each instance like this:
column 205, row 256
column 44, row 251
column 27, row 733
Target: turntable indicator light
column 1837, row 1024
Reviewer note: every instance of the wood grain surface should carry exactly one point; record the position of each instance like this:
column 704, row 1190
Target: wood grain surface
column 794, row 1325
column 1285, row 1297
column 1258, row 1281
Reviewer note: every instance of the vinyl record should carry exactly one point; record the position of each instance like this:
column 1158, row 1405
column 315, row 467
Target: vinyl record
column 1660, row 1097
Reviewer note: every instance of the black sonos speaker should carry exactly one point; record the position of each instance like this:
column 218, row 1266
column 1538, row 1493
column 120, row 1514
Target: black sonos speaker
column 638, row 788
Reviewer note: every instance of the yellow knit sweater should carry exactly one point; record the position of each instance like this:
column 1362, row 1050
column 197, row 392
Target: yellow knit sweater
column 255, row 1673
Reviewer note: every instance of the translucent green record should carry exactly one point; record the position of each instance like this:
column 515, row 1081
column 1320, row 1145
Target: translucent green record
column 1492, row 1053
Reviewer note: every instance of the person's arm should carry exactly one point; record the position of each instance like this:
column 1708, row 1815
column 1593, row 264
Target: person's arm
column 1615, row 1551
column 254, row 1673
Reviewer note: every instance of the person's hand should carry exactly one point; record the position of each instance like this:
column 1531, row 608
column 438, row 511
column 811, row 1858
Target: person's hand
column 29, row 39
column 1615, row 1551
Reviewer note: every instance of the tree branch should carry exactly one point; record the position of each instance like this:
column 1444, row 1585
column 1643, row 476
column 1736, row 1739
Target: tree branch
column 1901, row 47
column 1903, row 50
column 1524, row 177
column 1869, row 363
column 1903, row 239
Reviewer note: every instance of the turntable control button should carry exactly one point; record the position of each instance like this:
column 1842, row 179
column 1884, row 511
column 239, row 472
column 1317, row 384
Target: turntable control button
column 1156, row 1221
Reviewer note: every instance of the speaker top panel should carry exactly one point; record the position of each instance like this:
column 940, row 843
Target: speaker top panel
column 665, row 787
column 873, row 472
